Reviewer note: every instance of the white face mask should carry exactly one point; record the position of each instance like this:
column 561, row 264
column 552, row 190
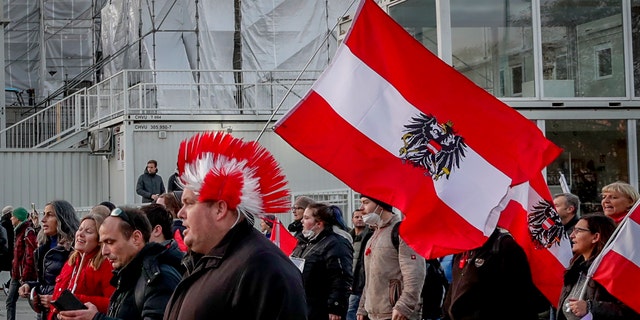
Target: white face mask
column 372, row 218
column 308, row 233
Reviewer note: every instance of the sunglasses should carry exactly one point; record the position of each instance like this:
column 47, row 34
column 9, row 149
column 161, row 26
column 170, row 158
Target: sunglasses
column 117, row 212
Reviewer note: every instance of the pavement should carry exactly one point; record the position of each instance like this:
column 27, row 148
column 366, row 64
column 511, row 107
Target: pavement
column 23, row 311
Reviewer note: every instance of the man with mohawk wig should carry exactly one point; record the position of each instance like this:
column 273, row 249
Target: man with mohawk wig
column 235, row 272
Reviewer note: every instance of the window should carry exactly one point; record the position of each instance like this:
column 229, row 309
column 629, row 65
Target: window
column 604, row 69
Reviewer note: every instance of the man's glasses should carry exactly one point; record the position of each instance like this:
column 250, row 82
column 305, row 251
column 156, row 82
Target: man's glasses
column 117, row 212
column 297, row 208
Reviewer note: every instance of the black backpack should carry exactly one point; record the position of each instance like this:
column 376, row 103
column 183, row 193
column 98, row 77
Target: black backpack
column 435, row 282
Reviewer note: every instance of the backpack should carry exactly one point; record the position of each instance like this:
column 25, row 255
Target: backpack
column 435, row 282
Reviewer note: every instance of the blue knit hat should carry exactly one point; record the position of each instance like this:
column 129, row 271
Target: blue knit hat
column 20, row 213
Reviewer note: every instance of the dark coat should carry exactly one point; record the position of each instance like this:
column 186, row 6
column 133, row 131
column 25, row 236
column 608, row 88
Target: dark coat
column 6, row 259
column 295, row 227
column 243, row 277
column 172, row 183
column 603, row 304
column 358, row 266
column 327, row 273
column 492, row 282
column 143, row 286
column 149, row 185
column 49, row 264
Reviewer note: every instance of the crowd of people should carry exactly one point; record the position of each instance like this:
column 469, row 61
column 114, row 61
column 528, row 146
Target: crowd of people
column 195, row 252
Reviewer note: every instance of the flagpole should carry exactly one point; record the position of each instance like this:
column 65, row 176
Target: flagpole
column 295, row 81
column 605, row 249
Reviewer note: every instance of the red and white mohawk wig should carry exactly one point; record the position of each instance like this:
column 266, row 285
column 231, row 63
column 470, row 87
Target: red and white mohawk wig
column 217, row 166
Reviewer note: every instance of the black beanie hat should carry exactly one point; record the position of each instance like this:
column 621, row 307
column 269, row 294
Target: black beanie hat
column 383, row 205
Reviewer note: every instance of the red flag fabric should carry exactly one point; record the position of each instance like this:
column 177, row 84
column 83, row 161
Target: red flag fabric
column 619, row 269
column 281, row 237
column 534, row 224
column 393, row 121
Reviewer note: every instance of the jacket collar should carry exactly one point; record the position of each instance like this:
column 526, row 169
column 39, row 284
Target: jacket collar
column 145, row 262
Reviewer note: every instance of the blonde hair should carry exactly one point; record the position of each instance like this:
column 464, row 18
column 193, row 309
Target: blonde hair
column 97, row 260
column 624, row 188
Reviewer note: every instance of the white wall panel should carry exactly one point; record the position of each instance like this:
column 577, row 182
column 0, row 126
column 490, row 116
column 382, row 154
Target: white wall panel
column 41, row 176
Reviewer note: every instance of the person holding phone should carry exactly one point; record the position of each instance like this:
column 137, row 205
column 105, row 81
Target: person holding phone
column 59, row 225
column 87, row 272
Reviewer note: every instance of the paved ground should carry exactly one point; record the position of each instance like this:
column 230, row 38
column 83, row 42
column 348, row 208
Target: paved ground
column 23, row 311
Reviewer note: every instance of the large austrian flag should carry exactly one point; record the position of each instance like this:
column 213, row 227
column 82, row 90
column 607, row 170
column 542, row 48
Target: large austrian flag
column 619, row 268
column 393, row 121
column 535, row 225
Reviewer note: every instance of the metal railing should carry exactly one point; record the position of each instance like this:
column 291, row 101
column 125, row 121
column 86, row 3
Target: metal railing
column 176, row 92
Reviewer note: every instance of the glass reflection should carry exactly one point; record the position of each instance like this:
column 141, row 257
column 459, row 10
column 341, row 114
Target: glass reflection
column 418, row 17
column 492, row 45
column 595, row 154
column 582, row 48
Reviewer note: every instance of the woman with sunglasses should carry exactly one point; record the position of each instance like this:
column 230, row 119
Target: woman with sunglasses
column 87, row 273
column 59, row 225
column 589, row 237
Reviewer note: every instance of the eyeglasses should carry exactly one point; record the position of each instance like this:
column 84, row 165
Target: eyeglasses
column 297, row 208
column 578, row 230
column 117, row 212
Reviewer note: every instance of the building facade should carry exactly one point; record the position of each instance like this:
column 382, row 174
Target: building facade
column 573, row 67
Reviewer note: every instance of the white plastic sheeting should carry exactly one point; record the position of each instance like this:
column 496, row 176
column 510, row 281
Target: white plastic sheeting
column 48, row 42
column 52, row 41
column 276, row 35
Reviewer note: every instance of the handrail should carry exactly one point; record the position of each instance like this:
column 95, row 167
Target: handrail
column 175, row 92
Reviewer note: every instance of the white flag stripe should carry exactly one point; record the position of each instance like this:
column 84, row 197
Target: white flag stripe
column 375, row 108
column 625, row 242
column 527, row 196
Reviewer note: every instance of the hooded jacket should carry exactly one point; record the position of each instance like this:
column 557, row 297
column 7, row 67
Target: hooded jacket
column 143, row 286
column 149, row 185
column 243, row 277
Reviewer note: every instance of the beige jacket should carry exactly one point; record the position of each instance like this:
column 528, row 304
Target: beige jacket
column 394, row 278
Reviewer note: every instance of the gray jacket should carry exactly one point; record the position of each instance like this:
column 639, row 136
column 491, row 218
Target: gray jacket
column 149, row 185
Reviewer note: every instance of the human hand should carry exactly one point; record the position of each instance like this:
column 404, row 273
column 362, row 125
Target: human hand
column 334, row 317
column 396, row 315
column 154, row 197
column 45, row 299
column 24, row 290
column 86, row 314
column 360, row 317
column 578, row 307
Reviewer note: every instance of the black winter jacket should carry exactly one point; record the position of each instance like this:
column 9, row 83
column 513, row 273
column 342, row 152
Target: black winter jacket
column 49, row 263
column 143, row 286
column 327, row 273
column 243, row 277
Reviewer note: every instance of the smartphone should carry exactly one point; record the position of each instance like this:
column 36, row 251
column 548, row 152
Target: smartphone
column 68, row 301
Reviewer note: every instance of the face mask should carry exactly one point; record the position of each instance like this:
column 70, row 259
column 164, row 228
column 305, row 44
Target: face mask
column 371, row 219
column 308, row 233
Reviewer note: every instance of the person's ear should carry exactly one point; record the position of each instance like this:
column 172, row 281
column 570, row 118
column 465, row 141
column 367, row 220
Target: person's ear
column 156, row 231
column 596, row 237
column 138, row 239
column 221, row 209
